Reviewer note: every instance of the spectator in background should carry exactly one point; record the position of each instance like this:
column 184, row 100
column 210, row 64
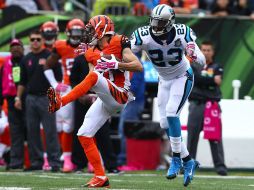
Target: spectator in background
column 132, row 111
column 182, row 6
column 10, row 78
column 35, row 83
column 206, row 5
column 241, row 8
column 206, row 88
column 27, row 5
column 221, row 8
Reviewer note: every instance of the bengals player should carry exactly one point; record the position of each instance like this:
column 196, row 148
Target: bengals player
column 49, row 31
column 109, row 79
column 64, row 52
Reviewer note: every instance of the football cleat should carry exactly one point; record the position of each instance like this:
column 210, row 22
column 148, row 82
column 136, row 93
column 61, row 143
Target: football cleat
column 189, row 171
column 54, row 100
column 67, row 165
column 97, row 182
column 175, row 167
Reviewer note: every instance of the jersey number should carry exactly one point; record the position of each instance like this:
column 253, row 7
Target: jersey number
column 69, row 63
column 156, row 56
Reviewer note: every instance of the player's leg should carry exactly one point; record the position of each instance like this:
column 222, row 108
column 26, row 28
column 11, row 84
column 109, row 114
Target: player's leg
column 81, row 89
column 66, row 138
column 96, row 116
column 163, row 98
column 179, row 93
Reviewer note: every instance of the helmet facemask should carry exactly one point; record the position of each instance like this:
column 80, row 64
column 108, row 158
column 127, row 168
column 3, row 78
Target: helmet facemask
column 75, row 36
column 49, row 36
column 160, row 26
column 90, row 36
column 162, row 19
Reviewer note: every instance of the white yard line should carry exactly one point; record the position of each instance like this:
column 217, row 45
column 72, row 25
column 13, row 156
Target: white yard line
column 74, row 176
column 14, row 188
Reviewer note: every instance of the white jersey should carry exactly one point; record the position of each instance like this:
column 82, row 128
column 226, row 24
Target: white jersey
column 168, row 56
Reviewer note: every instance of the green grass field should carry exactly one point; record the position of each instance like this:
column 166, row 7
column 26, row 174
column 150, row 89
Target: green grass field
column 134, row 180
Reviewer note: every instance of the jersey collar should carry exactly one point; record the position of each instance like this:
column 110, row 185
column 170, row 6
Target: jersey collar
column 170, row 36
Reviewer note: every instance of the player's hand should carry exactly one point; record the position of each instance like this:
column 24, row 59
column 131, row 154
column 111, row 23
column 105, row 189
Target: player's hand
column 190, row 51
column 61, row 87
column 55, row 101
column 81, row 49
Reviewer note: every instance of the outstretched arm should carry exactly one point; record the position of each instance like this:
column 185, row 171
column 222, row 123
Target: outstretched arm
column 130, row 61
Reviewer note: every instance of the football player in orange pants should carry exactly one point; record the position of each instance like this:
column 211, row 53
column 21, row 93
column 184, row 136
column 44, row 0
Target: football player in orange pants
column 64, row 51
column 109, row 78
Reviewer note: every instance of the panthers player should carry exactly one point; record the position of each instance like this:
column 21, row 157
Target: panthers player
column 171, row 47
column 109, row 78
column 64, row 51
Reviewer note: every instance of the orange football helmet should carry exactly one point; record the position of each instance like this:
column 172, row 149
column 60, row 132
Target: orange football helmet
column 97, row 27
column 74, row 31
column 49, row 30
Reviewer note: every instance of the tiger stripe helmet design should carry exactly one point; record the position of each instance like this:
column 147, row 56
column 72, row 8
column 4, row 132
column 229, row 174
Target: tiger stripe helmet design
column 97, row 27
column 162, row 19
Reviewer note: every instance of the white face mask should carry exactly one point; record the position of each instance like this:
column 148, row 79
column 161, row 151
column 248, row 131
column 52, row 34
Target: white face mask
column 49, row 42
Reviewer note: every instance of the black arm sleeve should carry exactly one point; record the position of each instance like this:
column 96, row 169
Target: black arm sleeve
column 125, row 42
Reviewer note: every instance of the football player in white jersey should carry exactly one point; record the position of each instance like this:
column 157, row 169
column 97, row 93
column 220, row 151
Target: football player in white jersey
column 171, row 48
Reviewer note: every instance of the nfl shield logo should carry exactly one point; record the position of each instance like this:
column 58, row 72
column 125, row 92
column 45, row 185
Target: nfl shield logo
column 178, row 43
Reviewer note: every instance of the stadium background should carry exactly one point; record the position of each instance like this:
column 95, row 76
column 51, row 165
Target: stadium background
column 233, row 38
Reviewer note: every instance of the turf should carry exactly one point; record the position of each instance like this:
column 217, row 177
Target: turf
column 135, row 180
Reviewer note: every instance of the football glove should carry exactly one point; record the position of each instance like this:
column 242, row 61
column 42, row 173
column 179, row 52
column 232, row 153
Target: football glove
column 190, row 51
column 54, row 100
column 61, row 87
column 81, row 49
column 107, row 63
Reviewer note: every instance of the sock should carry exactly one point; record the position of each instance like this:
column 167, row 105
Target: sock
column 175, row 134
column 43, row 137
column 5, row 137
column 187, row 158
column 175, row 144
column 184, row 151
column 66, row 142
column 176, row 154
column 59, row 134
column 81, row 89
column 92, row 154
column 27, row 162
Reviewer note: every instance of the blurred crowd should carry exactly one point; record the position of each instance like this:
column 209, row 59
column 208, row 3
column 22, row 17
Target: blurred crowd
column 138, row 7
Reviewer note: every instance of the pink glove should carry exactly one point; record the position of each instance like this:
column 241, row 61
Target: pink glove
column 81, row 49
column 104, row 64
column 190, row 51
column 61, row 87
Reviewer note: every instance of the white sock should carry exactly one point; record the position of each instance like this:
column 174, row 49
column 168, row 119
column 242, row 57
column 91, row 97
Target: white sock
column 176, row 144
